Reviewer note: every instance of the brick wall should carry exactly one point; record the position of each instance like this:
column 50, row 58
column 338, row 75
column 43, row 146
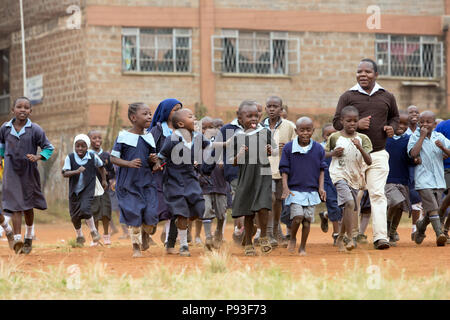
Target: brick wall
column 400, row 7
column 146, row 3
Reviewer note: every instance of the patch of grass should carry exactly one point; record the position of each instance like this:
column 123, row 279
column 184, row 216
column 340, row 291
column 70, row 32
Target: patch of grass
column 74, row 244
column 219, row 276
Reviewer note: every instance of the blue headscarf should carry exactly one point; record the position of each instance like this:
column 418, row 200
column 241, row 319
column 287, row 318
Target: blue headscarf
column 163, row 111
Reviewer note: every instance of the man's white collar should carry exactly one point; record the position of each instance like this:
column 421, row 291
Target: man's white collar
column 358, row 88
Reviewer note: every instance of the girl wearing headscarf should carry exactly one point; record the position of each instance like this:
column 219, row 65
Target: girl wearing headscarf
column 161, row 128
column 80, row 167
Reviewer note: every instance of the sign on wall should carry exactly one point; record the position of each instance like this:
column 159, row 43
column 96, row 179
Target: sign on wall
column 35, row 89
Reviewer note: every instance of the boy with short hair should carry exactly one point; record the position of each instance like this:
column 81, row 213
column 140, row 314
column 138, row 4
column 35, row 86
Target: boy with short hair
column 429, row 175
column 350, row 151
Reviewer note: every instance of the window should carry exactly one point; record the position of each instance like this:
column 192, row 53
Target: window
column 4, row 82
column 255, row 52
column 156, row 50
column 409, row 56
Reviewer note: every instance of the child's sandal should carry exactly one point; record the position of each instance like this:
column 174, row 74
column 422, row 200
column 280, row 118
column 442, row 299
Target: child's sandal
column 250, row 250
column 265, row 245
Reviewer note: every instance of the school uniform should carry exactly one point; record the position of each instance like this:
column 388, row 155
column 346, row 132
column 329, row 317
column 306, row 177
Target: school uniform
column 82, row 186
column 21, row 180
column 136, row 187
column 160, row 133
column 303, row 166
column 215, row 191
column 254, row 185
column 333, row 210
column 181, row 186
column 101, row 205
column 444, row 128
column 396, row 188
column 429, row 175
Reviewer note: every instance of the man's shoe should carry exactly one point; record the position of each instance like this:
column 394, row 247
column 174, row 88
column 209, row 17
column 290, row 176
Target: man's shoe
column 27, row 246
column 323, row 222
column 381, row 244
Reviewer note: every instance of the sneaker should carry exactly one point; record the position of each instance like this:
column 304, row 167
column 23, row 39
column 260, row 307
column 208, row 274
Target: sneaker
column 10, row 237
column 335, row 236
column 95, row 236
column 184, row 251
column 198, row 242
column 381, row 244
column 323, row 222
column 17, row 246
column 392, row 241
column 27, row 246
column 107, row 239
column 81, row 240
column 209, row 243
column 361, row 238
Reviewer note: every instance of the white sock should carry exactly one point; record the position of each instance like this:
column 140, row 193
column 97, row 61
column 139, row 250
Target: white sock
column 91, row 224
column 258, row 233
column 183, row 237
column 79, row 232
column 236, row 230
column 167, row 228
column 17, row 237
column 28, row 232
column 32, row 231
column 224, row 225
column 6, row 226
column 414, row 228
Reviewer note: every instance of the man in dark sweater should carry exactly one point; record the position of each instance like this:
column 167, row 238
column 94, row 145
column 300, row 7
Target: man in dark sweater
column 378, row 118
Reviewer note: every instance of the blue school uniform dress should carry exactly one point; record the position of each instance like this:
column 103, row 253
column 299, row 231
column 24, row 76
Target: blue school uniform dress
column 160, row 133
column 303, row 166
column 136, row 187
column 334, row 211
column 181, row 186
column 21, row 180
column 82, row 186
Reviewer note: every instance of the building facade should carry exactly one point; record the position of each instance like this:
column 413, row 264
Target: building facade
column 214, row 54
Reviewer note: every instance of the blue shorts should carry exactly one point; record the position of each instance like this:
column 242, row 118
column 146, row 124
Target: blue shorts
column 334, row 211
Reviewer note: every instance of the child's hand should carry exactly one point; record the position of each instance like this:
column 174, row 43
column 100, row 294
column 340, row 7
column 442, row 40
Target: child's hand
column 157, row 167
column 136, row 163
column 281, row 146
column 364, row 123
column 81, row 169
column 269, row 149
column 356, row 143
column 286, row 193
column 337, row 152
column 153, row 157
column 104, row 184
column 423, row 132
column 33, row 157
column 439, row 144
column 389, row 131
column 195, row 164
column 322, row 194
column 243, row 150
column 417, row 160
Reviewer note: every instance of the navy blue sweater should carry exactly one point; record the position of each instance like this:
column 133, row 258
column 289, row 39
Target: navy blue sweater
column 231, row 172
column 303, row 169
column 399, row 162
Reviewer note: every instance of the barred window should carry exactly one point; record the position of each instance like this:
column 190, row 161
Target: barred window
column 156, row 50
column 409, row 56
column 255, row 52
column 4, row 82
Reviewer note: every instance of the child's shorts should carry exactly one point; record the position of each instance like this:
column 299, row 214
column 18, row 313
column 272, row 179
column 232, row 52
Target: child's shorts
column 345, row 193
column 277, row 188
column 431, row 199
column 114, row 201
column 397, row 193
column 215, row 206
column 334, row 211
column 101, row 207
column 299, row 210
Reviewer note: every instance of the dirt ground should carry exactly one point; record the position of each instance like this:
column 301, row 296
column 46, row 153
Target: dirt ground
column 51, row 249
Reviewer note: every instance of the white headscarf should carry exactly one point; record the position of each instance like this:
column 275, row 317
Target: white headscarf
column 82, row 137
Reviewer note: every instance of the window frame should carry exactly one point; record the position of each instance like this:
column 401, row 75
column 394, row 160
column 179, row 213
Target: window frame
column 6, row 97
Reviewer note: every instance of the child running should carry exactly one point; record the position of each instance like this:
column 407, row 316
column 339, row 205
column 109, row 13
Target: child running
column 101, row 206
column 161, row 128
column 350, row 151
column 334, row 212
column 182, row 192
column 19, row 140
column 134, row 152
column 397, row 193
column 302, row 168
column 251, row 149
column 81, row 169
column 429, row 174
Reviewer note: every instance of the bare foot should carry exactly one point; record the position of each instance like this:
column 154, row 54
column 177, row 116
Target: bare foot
column 291, row 245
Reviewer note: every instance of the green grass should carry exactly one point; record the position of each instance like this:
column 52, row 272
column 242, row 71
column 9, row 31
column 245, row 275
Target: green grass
column 220, row 276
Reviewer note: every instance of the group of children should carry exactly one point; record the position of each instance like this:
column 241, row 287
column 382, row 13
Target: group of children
column 169, row 170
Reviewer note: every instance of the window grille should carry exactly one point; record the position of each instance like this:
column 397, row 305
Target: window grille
column 255, row 52
column 156, row 50
column 5, row 107
column 409, row 56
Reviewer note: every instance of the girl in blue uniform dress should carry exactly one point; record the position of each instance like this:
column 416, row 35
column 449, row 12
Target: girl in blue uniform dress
column 181, row 152
column 161, row 128
column 134, row 153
